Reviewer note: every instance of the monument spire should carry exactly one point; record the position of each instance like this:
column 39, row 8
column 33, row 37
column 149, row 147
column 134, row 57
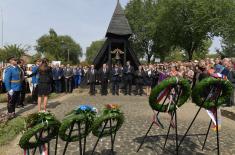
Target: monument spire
column 119, row 24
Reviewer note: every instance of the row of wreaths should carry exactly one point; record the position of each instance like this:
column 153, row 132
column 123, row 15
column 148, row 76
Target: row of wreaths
column 203, row 94
column 42, row 127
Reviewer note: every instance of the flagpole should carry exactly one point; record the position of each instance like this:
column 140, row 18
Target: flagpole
column 2, row 25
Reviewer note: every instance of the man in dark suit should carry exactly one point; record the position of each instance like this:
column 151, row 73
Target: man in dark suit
column 128, row 72
column 104, row 79
column 140, row 75
column 116, row 74
column 57, row 74
column 68, row 76
column 20, row 101
column 92, row 79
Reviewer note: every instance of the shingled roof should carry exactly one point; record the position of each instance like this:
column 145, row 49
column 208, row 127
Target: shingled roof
column 119, row 24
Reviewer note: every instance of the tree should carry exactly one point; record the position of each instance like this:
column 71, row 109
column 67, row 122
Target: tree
column 56, row 47
column 192, row 22
column 175, row 55
column 161, row 26
column 141, row 16
column 228, row 48
column 203, row 51
column 12, row 50
column 93, row 50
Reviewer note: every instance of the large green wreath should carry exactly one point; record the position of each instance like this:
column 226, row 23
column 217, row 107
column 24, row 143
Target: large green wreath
column 198, row 94
column 44, row 126
column 79, row 117
column 107, row 115
column 169, row 83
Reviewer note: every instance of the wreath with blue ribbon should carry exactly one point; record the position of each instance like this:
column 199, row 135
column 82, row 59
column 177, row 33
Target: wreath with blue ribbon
column 83, row 115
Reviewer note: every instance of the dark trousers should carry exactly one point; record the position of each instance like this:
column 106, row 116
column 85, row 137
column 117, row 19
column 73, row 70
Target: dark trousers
column 77, row 80
column 127, row 86
column 104, row 87
column 12, row 100
column 22, row 93
column 57, row 86
column 139, row 89
column 92, row 88
column 35, row 93
column 115, row 87
column 68, row 85
column 232, row 98
column 1, row 87
column 21, row 99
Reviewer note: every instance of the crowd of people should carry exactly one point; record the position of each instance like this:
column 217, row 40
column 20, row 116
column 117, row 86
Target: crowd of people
column 17, row 79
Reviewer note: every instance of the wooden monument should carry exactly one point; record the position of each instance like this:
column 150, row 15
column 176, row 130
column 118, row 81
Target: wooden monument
column 116, row 49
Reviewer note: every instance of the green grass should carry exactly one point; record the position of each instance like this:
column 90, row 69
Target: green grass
column 3, row 98
column 10, row 129
column 53, row 95
column 28, row 99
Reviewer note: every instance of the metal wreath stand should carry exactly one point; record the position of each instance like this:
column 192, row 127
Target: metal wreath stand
column 217, row 96
column 112, row 135
column 40, row 136
column 82, row 149
column 178, row 91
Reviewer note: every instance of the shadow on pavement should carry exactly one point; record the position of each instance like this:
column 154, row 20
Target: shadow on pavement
column 156, row 144
column 103, row 152
column 28, row 107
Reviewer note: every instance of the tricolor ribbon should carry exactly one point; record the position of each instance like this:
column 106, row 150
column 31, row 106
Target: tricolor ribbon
column 42, row 150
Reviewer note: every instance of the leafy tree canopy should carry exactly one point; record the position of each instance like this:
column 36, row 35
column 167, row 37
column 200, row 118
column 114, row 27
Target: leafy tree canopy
column 12, row 50
column 59, row 47
column 93, row 50
column 161, row 26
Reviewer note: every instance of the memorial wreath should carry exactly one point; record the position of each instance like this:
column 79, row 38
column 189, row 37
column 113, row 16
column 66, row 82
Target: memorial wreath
column 43, row 126
column 83, row 115
column 161, row 90
column 110, row 113
column 223, row 86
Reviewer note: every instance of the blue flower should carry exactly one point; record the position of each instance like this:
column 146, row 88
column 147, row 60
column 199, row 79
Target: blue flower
column 85, row 108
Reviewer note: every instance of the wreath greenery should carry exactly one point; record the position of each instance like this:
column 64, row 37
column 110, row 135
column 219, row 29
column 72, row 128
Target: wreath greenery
column 113, row 113
column 84, row 115
column 200, row 90
column 42, row 125
column 170, row 82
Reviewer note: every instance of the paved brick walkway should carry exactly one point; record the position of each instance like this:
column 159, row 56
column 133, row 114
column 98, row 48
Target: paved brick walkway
column 138, row 116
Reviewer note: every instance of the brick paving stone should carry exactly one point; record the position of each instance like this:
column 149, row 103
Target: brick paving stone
column 138, row 116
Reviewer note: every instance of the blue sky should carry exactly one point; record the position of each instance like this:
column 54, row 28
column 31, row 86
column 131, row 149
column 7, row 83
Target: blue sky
column 85, row 20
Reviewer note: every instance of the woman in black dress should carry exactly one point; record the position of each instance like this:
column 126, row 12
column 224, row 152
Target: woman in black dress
column 149, row 79
column 44, row 83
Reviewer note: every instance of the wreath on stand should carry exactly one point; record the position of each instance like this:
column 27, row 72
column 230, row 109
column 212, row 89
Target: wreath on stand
column 167, row 85
column 110, row 113
column 43, row 126
column 83, row 115
column 218, row 85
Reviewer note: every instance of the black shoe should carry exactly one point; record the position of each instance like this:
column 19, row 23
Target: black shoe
column 11, row 116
